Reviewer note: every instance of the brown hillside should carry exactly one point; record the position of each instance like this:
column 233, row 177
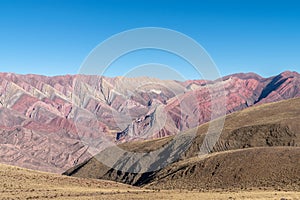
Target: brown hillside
column 266, row 167
column 18, row 183
column 268, row 125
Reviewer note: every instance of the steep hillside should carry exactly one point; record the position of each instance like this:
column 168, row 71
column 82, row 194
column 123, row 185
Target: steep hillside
column 274, row 168
column 269, row 125
column 54, row 123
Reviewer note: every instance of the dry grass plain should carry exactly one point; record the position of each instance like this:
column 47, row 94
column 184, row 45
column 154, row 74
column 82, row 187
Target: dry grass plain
column 19, row 183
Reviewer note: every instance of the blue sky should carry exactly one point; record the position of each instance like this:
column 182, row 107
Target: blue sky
column 53, row 37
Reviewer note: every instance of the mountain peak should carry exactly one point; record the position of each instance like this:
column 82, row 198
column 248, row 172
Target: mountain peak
column 288, row 74
column 249, row 75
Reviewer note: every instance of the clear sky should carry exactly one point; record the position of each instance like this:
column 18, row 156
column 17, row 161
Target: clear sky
column 53, row 37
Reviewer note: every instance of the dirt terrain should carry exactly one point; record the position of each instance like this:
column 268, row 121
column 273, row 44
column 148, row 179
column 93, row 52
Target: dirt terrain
column 18, row 183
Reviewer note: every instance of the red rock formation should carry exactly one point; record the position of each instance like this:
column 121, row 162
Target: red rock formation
column 52, row 123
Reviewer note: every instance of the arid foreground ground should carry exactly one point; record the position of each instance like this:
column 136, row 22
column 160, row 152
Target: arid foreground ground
column 18, row 183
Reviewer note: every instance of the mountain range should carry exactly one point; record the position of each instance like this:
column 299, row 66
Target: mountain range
column 54, row 123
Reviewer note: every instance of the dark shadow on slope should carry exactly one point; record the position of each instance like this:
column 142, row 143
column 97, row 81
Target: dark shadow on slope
column 273, row 85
